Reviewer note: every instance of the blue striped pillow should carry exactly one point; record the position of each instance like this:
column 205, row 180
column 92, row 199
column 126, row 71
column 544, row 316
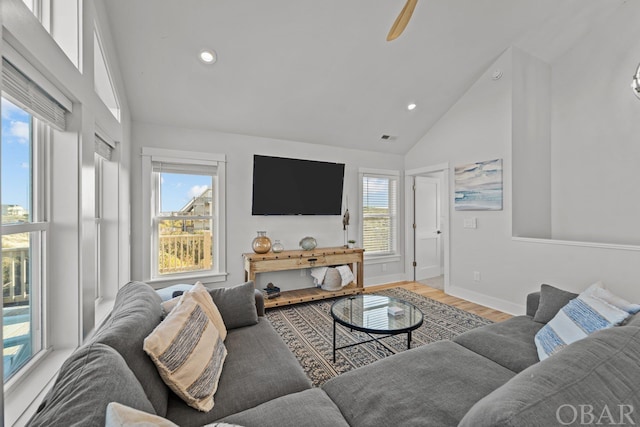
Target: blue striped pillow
column 579, row 318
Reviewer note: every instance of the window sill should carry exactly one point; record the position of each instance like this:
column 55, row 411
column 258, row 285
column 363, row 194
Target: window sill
column 22, row 395
column 188, row 279
column 380, row 259
column 103, row 309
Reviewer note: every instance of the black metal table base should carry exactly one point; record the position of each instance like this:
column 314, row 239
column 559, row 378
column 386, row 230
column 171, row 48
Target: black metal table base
column 376, row 339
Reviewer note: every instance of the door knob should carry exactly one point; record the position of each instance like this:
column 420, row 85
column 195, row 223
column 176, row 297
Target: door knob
column 438, row 232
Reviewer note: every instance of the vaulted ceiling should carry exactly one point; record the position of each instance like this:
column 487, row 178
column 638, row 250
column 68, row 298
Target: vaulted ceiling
column 321, row 71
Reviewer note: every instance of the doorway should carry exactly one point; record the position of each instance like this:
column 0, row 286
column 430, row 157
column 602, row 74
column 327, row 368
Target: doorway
column 428, row 231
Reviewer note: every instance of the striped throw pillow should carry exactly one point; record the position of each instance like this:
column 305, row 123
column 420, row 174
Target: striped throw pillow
column 210, row 308
column 576, row 320
column 188, row 351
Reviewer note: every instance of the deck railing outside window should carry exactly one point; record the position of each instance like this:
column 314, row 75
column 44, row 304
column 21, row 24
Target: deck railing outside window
column 185, row 252
column 16, row 321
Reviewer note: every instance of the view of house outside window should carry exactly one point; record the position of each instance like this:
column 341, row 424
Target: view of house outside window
column 184, row 223
column 20, row 244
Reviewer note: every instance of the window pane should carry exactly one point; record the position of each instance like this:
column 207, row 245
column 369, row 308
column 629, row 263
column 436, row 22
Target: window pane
column 185, row 194
column 375, row 194
column 16, row 164
column 19, row 301
column 102, row 79
column 184, row 245
column 379, row 201
column 377, row 234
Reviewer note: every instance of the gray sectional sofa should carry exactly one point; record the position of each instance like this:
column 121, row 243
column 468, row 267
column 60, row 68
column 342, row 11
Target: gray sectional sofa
column 489, row 376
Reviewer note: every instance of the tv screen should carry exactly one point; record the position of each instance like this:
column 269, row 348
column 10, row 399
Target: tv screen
column 283, row 186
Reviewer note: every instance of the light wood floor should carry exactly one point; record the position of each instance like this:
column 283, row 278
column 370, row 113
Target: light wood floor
column 438, row 295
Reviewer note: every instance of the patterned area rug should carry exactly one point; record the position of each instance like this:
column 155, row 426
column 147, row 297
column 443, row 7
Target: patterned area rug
column 308, row 331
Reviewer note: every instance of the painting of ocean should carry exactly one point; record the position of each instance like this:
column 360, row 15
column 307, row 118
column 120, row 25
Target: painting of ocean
column 479, row 186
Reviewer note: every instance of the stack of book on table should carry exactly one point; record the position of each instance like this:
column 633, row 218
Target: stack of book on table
column 271, row 291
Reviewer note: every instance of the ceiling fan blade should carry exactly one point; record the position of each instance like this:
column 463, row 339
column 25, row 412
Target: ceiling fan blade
column 402, row 20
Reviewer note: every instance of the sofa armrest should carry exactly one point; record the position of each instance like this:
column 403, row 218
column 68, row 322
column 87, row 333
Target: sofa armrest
column 259, row 302
column 533, row 300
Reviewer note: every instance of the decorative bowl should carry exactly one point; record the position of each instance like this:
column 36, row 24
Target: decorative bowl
column 308, row 243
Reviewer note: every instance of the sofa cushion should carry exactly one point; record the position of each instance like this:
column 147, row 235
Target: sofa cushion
column 237, row 304
column 274, row 372
column 579, row 318
column 309, row 408
column 509, row 343
column 432, row 385
column 91, row 378
column 136, row 313
column 552, row 300
column 600, row 370
column 188, row 350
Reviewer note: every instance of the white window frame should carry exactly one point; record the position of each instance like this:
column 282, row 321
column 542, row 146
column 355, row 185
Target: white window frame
column 63, row 24
column 150, row 188
column 39, row 224
column 394, row 254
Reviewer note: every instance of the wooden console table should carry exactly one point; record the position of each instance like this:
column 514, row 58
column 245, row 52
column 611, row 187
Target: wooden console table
column 299, row 259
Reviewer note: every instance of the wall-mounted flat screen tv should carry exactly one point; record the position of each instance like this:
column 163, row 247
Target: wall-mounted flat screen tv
column 283, row 186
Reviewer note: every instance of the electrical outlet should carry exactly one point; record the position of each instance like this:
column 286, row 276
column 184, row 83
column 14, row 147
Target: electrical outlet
column 384, row 267
column 303, row 272
column 476, row 276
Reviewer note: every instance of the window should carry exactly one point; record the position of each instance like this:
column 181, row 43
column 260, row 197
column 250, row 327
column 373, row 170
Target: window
column 29, row 113
column 62, row 19
column 102, row 82
column 103, row 154
column 24, row 229
column 187, row 216
column 379, row 213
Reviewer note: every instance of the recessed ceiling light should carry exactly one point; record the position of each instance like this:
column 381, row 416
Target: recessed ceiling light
column 411, row 106
column 208, row 56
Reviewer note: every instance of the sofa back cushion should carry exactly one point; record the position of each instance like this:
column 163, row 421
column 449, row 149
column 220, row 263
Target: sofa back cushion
column 137, row 312
column 551, row 301
column 597, row 375
column 91, row 378
column 237, row 305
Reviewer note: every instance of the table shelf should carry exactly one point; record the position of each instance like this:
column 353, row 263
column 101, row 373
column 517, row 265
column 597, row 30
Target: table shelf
column 300, row 259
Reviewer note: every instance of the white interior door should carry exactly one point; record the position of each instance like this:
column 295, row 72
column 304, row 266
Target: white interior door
column 428, row 241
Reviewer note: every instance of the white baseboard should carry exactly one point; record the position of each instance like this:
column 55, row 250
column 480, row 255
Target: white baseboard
column 383, row 280
column 487, row 301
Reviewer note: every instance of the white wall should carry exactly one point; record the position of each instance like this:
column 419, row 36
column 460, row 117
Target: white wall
column 596, row 134
column 241, row 225
column 479, row 127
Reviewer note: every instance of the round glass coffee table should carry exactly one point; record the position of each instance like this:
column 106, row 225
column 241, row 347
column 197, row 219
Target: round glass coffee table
column 375, row 314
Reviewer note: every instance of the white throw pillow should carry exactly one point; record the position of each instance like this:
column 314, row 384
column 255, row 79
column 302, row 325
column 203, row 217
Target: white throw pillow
column 119, row 415
column 598, row 290
column 576, row 320
column 188, row 351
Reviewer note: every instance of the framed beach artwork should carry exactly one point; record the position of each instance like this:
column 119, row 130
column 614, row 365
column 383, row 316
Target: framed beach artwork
column 479, row 186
